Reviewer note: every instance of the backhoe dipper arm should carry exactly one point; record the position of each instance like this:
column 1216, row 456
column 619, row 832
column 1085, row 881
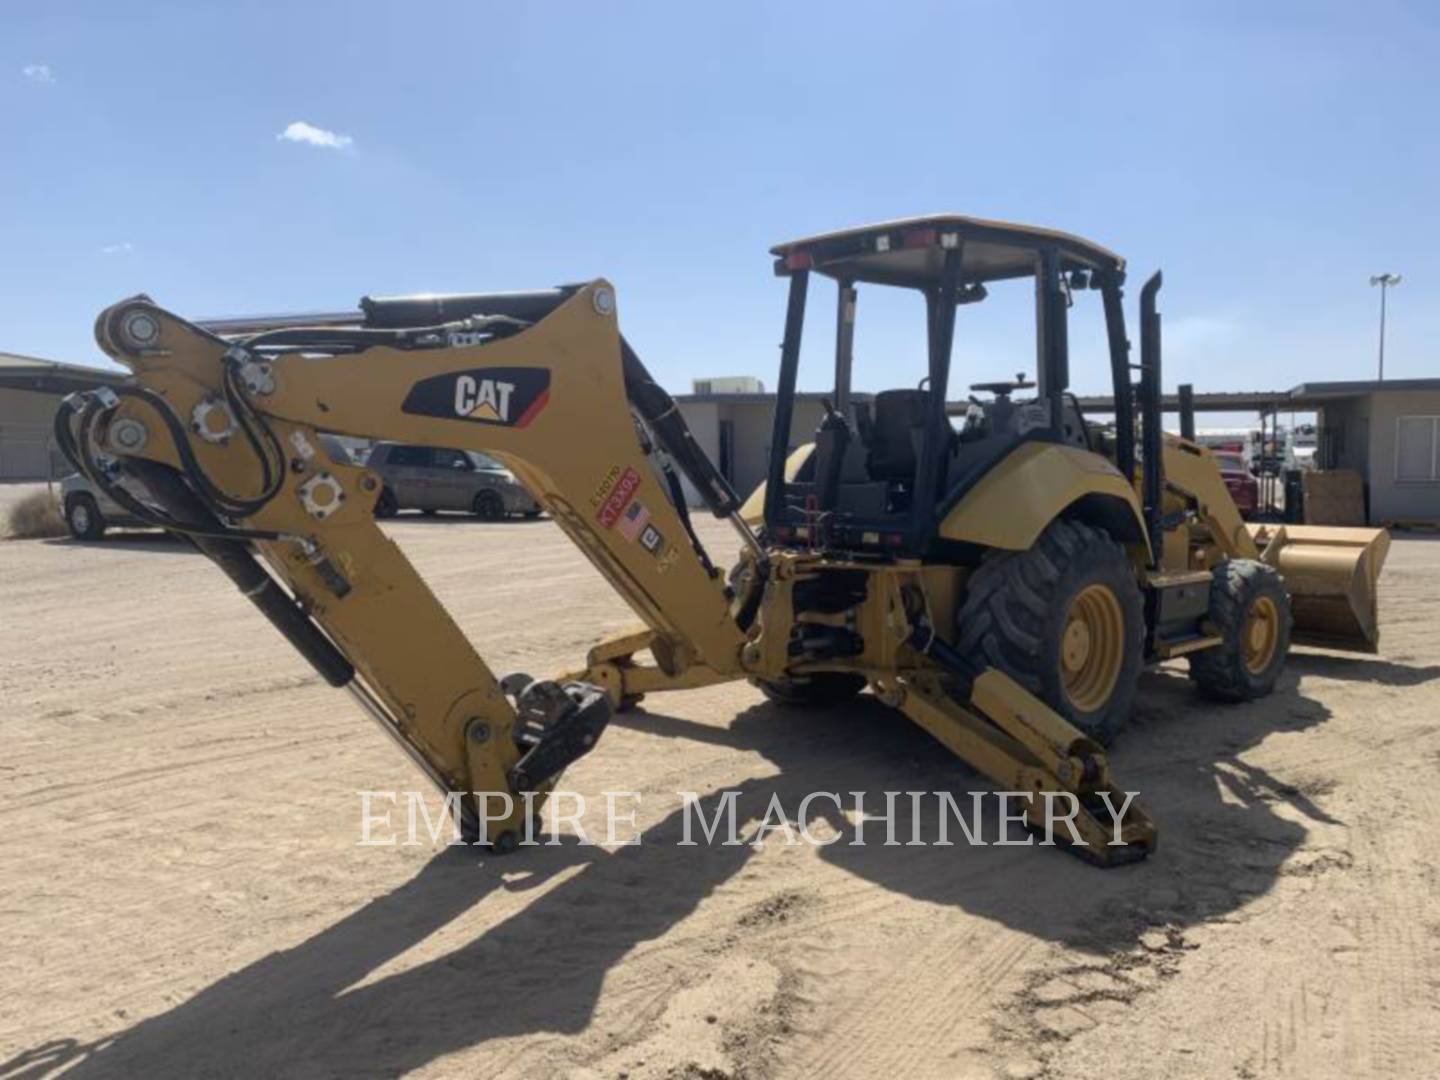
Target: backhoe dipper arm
column 222, row 434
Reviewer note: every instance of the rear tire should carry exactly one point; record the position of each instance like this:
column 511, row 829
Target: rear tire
column 488, row 506
column 821, row 690
column 386, row 506
column 1250, row 610
column 1065, row 620
column 83, row 517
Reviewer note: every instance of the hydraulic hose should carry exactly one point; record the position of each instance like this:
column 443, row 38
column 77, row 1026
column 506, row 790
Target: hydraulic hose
column 233, row 557
column 79, row 454
column 662, row 414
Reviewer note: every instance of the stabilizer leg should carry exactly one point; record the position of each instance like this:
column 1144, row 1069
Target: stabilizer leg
column 1018, row 742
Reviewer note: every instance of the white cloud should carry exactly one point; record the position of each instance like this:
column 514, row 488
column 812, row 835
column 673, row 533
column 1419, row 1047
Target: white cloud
column 121, row 248
column 301, row 132
column 38, row 73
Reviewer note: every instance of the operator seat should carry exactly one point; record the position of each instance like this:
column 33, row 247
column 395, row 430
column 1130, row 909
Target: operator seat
column 897, row 428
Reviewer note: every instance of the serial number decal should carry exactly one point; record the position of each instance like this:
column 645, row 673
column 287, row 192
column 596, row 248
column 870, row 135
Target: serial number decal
column 602, row 492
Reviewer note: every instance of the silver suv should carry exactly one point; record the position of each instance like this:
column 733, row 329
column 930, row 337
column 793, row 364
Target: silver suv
column 431, row 479
column 88, row 510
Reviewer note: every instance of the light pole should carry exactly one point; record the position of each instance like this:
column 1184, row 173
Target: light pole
column 1385, row 281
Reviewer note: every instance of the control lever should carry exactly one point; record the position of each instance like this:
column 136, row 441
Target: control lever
column 832, row 441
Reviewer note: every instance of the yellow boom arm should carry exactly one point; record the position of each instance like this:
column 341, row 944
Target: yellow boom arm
column 549, row 401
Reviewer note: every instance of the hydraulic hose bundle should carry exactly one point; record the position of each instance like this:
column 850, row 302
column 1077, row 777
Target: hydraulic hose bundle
column 187, row 502
column 77, row 423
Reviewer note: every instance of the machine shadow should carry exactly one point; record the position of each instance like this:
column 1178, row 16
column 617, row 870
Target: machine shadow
column 1227, row 827
column 301, row 1013
column 1361, row 669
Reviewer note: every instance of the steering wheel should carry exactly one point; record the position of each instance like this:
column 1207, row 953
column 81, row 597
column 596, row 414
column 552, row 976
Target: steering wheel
column 1004, row 389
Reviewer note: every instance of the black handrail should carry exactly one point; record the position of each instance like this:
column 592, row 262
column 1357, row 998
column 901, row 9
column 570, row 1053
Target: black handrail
column 1153, row 480
column 785, row 396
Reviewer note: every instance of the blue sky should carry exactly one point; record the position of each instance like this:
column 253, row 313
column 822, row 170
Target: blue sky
column 1269, row 157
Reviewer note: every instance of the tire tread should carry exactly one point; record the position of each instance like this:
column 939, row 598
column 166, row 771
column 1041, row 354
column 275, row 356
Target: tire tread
column 1011, row 597
column 1219, row 672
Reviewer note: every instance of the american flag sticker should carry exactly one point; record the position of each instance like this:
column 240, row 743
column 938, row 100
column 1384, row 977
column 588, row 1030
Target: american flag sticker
column 634, row 518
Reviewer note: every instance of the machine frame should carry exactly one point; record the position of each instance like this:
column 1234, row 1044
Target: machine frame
column 216, row 437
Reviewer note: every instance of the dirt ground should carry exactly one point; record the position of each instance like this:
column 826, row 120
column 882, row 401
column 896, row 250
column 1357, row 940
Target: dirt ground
column 182, row 893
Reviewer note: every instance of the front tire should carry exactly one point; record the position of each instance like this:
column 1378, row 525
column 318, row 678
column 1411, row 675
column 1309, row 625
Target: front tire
column 83, row 518
column 824, row 689
column 1065, row 620
column 386, row 506
column 488, row 506
column 1250, row 610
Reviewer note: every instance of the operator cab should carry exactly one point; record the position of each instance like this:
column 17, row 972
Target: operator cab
column 884, row 472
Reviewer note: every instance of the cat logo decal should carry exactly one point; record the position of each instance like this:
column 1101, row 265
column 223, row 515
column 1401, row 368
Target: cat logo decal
column 508, row 397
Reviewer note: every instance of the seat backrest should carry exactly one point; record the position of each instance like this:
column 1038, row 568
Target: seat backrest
column 899, row 420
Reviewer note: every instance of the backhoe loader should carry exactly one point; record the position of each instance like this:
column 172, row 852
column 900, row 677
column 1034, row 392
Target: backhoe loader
column 1002, row 583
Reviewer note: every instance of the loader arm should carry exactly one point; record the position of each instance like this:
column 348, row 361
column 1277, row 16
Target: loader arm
column 1332, row 573
column 553, row 399
column 1191, row 472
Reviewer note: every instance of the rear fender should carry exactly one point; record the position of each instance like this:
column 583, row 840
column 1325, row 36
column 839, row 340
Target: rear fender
column 1015, row 501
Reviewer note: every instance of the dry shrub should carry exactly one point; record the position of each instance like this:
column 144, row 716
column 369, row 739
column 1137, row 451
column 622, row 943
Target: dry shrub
column 36, row 515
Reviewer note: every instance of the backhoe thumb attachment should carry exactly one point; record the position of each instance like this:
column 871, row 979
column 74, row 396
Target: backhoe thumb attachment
column 1021, row 744
column 556, row 724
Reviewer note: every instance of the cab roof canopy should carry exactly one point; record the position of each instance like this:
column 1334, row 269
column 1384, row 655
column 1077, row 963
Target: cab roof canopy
column 909, row 252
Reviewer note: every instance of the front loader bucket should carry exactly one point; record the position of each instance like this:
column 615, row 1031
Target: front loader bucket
column 1330, row 574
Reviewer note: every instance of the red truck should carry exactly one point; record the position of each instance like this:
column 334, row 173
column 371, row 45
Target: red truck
column 1240, row 481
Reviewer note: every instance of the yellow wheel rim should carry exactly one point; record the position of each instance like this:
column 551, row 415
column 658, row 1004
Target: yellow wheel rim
column 1092, row 647
column 1260, row 635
